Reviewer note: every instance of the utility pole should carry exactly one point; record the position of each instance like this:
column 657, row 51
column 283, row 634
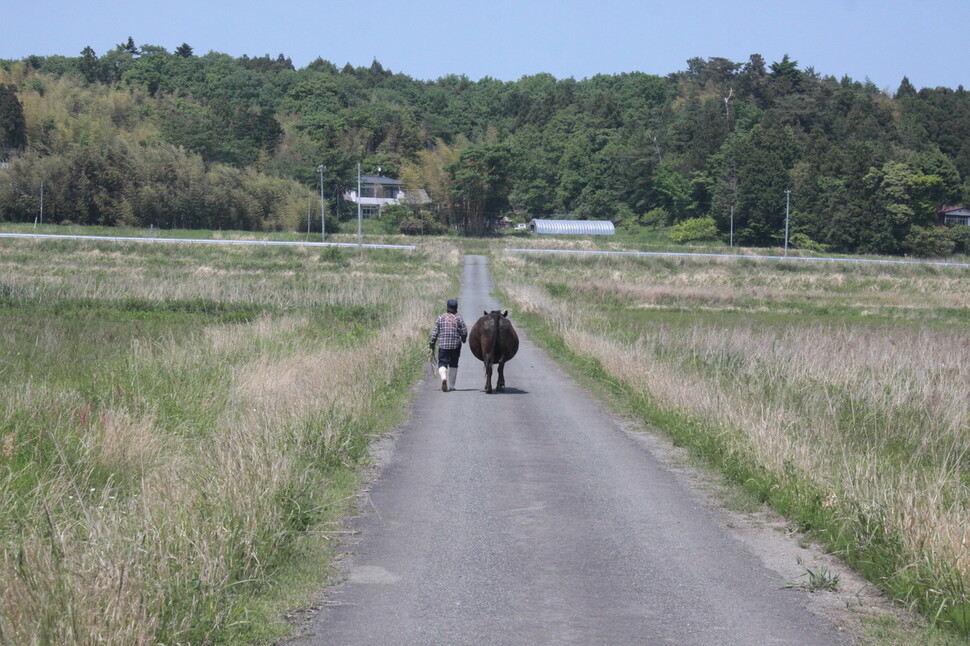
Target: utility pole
column 359, row 239
column 323, row 207
column 732, row 179
column 42, row 202
column 787, row 211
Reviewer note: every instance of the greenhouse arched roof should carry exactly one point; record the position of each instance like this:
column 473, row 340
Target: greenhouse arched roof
column 573, row 227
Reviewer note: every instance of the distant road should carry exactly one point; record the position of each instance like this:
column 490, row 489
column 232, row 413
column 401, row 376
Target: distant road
column 208, row 241
column 530, row 517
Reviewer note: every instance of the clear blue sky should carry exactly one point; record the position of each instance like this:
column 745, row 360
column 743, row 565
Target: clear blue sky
column 882, row 40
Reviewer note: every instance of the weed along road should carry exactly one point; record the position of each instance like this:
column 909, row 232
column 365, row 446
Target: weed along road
column 532, row 517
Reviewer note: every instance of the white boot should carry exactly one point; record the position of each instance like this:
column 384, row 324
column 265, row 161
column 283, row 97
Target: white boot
column 452, row 375
column 443, row 371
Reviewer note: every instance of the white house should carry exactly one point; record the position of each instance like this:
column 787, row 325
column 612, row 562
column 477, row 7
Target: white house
column 377, row 191
column 954, row 215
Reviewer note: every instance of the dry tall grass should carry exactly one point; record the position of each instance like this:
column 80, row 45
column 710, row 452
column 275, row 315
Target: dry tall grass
column 140, row 535
column 875, row 417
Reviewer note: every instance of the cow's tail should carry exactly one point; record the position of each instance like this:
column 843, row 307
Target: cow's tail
column 494, row 343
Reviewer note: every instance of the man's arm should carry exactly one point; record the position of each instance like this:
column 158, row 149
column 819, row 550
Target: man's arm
column 434, row 332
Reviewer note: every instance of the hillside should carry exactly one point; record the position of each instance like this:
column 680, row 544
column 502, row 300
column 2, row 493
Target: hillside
column 142, row 136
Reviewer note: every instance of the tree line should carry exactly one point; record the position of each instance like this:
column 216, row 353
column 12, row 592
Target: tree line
column 140, row 135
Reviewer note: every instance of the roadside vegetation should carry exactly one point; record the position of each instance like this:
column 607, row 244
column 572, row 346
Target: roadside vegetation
column 836, row 392
column 180, row 428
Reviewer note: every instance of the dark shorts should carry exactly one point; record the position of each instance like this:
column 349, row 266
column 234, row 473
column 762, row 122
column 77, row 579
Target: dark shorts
column 448, row 358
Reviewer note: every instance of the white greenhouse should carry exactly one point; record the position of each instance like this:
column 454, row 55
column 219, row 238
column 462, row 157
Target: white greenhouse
column 573, row 227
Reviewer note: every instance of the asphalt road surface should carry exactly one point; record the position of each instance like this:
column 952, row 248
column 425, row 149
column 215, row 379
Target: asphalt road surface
column 532, row 517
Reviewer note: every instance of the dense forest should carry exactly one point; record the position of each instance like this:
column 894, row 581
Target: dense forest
column 142, row 136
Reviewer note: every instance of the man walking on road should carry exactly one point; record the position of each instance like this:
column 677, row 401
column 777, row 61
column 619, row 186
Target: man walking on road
column 449, row 332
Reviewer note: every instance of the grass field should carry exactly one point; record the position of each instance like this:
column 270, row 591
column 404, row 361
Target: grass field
column 836, row 392
column 179, row 424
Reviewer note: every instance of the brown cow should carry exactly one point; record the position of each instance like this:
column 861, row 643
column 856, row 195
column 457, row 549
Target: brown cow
column 493, row 340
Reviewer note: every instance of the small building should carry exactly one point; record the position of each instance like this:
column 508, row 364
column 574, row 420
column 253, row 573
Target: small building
column 572, row 227
column 954, row 215
column 377, row 191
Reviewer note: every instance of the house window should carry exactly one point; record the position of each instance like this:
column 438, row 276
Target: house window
column 367, row 190
column 369, row 211
column 389, row 192
column 957, row 219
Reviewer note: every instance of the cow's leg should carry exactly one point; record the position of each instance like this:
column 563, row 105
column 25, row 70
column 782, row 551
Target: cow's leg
column 500, row 386
column 488, row 377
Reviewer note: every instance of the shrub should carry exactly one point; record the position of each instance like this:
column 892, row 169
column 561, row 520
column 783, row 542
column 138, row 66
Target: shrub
column 929, row 241
column 961, row 237
column 393, row 215
column 694, row 229
column 421, row 227
column 655, row 218
column 802, row 241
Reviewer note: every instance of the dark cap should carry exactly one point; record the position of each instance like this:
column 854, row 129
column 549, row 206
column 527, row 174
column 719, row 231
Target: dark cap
column 452, row 305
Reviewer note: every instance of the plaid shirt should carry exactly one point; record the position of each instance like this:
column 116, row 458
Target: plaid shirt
column 449, row 331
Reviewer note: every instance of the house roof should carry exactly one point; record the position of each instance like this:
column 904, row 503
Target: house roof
column 380, row 179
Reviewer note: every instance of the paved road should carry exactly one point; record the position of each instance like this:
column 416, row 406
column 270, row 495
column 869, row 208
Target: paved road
column 531, row 517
